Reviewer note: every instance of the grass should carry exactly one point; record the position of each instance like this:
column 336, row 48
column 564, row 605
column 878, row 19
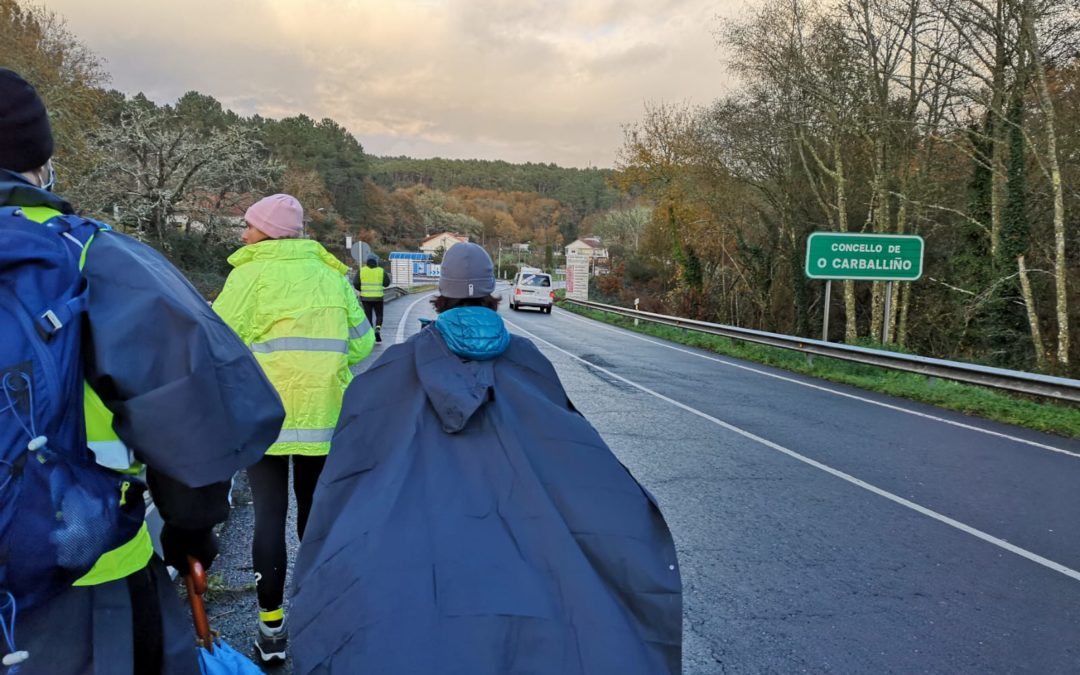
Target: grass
column 973, row 400
column 216, row 586
column 422, row 289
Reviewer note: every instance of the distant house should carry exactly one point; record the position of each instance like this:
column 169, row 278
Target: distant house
column 587, row 246
column 443, row 241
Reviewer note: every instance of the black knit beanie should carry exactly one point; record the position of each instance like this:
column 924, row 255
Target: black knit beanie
column 26, row 141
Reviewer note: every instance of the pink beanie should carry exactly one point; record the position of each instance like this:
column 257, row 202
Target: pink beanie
column 277, row 216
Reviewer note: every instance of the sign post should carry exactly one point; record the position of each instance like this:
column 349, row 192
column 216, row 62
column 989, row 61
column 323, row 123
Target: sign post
column 888, row 311
column 828, row 303
column 863, row 257
column 360, row 251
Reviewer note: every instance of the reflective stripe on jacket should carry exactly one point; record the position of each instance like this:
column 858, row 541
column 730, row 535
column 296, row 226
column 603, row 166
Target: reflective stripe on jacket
column 290, row 301
column 371, row 282
column 110, row 452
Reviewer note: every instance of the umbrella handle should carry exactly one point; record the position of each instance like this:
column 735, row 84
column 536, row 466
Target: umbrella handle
column 196, row 586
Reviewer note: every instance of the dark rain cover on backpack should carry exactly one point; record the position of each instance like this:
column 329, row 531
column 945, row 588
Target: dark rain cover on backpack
column 59, row 510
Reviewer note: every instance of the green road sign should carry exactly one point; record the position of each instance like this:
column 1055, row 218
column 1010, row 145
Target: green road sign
column 868, row 257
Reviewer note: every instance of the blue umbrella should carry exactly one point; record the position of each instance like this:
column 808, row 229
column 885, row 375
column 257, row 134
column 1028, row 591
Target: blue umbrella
column 216, row 657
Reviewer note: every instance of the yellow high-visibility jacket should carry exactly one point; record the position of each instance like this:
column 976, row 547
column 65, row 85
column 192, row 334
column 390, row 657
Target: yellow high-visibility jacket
column 290, row 301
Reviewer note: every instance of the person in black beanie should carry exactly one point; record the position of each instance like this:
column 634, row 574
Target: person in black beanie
column 26, row 143
column 123, row 616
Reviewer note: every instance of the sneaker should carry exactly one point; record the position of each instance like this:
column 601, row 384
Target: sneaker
column 378, row 335
column 271, row 642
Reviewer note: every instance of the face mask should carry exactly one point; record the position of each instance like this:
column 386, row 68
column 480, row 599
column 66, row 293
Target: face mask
column 51, row 180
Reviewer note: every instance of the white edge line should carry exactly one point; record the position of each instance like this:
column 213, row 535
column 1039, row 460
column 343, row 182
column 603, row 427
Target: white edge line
column 400, row 336
column 1001, row 543
column 970, row 427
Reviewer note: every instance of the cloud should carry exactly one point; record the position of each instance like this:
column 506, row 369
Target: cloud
column 529, row 80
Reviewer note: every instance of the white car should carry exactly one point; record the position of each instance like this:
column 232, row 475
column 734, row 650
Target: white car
column 532, row 289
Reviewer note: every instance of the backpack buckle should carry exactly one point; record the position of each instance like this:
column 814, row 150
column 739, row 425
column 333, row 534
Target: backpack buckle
column 49, row 323
column 52, row 320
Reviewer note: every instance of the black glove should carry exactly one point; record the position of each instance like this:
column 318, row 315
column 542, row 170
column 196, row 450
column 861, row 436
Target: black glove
column 177, row 544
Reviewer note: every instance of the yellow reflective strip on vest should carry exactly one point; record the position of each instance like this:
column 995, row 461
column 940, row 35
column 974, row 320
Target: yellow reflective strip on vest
column 122, row 561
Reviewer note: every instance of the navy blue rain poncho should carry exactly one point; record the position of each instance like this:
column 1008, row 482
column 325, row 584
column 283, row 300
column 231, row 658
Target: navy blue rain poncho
column 469, row 521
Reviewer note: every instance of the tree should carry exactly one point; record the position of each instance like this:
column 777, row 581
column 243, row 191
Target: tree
column 159, row 172
column 329, row 149
column 1030, row 12
column 37, row 44
column 623, row 228
column 802, row 96
column 658, row 156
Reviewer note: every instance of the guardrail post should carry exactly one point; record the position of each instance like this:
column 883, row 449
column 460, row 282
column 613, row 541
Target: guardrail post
column 636, row 302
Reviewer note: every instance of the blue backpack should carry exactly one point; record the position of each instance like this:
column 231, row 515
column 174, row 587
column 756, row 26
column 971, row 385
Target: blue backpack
column 59, row 510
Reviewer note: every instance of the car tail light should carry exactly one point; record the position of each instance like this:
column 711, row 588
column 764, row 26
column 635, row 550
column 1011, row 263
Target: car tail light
column 552, row 294
column 517, row 291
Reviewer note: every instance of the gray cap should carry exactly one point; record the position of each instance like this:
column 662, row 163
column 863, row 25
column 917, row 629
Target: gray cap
column 467, row 272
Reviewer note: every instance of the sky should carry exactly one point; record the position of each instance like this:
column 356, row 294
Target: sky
column 519, row 80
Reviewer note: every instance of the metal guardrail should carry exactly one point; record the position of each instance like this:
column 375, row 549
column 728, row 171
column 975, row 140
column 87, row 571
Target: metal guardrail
column 1048, row 386
column 393, row 293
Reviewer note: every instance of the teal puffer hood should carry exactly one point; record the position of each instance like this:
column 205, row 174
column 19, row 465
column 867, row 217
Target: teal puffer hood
column 474, row 333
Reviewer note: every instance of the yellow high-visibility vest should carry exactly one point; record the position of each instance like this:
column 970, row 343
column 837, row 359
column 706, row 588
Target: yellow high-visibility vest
column 371, row 283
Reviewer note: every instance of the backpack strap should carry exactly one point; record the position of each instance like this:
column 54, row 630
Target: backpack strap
column 50, row 321
column 78, row 231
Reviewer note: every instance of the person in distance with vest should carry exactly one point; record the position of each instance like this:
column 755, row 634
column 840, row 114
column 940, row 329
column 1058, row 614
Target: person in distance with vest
column 154, row 379
column 372, row 281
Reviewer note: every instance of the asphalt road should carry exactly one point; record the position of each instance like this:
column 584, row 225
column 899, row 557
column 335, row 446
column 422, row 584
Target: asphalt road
column 820, row 528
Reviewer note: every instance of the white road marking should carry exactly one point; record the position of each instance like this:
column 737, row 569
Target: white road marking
column 979, row 534
column 400, row 337
column 970, row 427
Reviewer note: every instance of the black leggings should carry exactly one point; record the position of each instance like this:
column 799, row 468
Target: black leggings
column 269, row 480
column 374, row 311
